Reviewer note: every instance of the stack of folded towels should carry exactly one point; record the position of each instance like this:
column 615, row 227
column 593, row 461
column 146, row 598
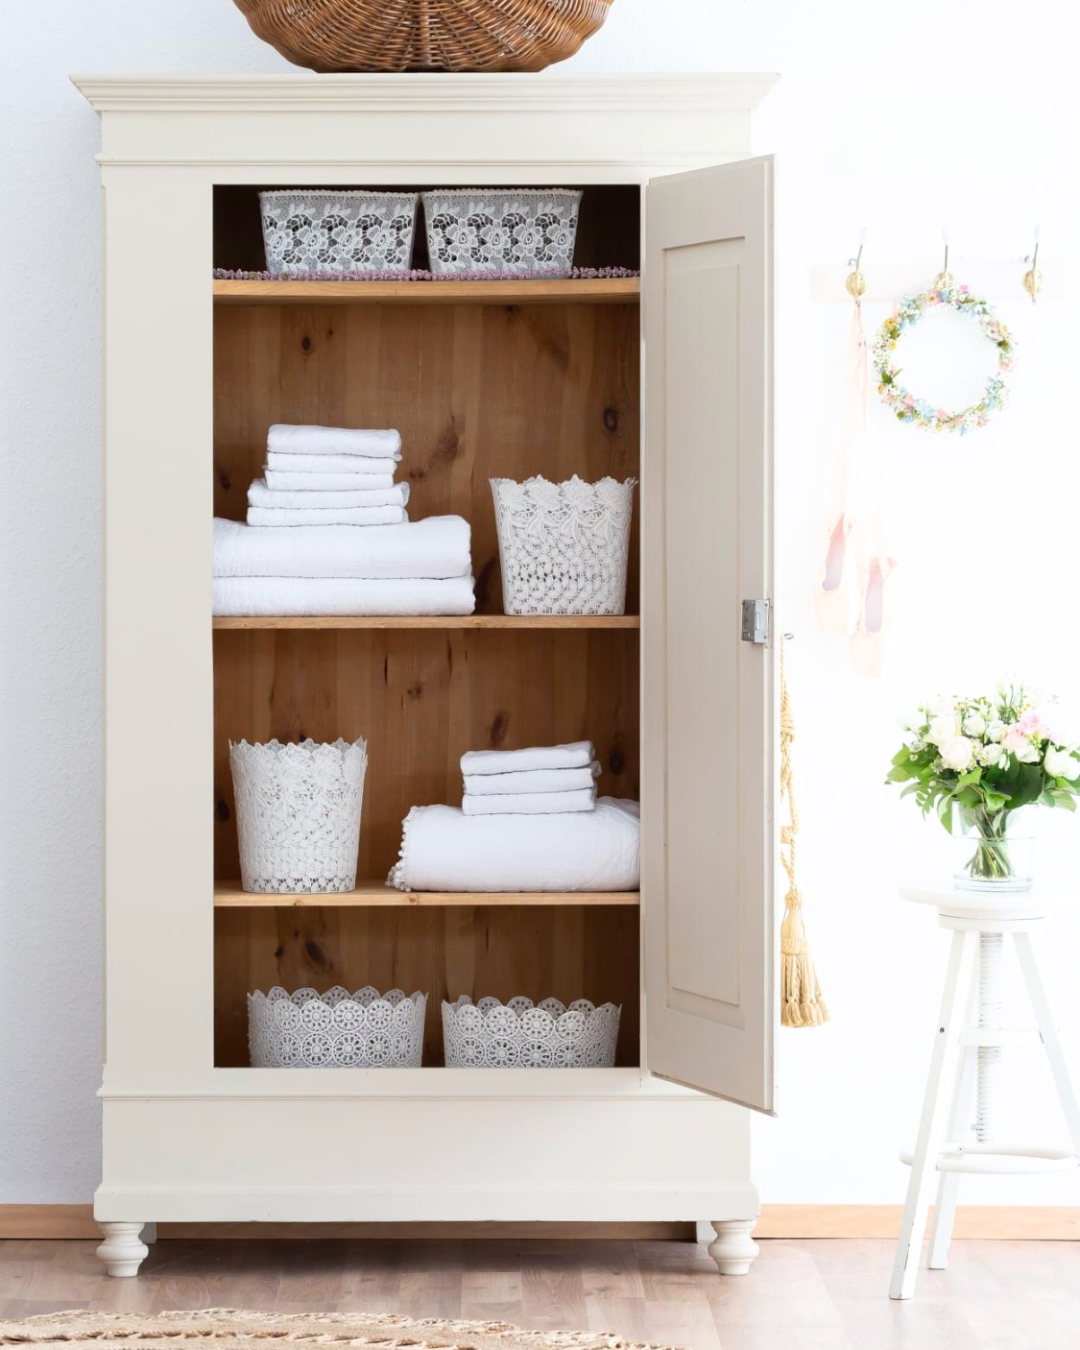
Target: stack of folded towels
column 545, row 780
column 303, row 550
column 328, row 476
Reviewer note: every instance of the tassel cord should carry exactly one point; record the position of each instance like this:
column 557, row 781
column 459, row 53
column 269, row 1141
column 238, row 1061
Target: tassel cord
column 802, row 1003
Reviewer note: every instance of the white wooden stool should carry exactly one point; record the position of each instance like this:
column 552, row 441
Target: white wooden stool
column 972, row 1047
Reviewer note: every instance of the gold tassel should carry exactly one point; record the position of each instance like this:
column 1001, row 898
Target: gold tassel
column 801, row 1001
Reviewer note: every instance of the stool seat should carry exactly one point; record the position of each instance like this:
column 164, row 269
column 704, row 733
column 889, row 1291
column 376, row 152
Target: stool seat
column 969, row 1050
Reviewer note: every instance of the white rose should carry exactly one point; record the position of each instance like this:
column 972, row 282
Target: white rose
column 942, row 729
column 1029, row 754
column 956, row 753
column 974, row 724
column 944, row 706
column 995, row 731
column 1060, row 764
column 991, row 754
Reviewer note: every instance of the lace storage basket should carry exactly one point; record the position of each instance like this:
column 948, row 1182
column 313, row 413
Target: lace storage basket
column 326, row 233
column 501, row 232
column 521, row 1035
column 335, row 1030
column 563, row 547
column 298, row 814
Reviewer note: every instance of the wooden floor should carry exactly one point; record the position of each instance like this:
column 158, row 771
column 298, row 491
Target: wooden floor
column 824, row 1295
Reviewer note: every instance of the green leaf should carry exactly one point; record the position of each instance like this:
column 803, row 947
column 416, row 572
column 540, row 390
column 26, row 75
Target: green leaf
column 899, row 775
column 902, row 756
column 973, row 777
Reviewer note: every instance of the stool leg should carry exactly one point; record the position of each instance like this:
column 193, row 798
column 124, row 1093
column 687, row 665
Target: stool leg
column 929, row 1139
column 1044, row 1020
column 959, row 1122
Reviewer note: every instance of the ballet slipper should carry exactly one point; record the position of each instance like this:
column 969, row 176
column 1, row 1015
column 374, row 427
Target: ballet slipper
column 838, row 594
column 874, row 639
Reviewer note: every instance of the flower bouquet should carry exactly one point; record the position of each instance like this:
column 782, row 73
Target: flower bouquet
column 975, row 763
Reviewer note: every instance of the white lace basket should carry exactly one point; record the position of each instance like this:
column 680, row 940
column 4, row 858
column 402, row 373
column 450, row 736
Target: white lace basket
column 503, row 231
column 521, row 1035
column 333, row 232
column 298, row 814
column 563, row 547
column 336, row 1030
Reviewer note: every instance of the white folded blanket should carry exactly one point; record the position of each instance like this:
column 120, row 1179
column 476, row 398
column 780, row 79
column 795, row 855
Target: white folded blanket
column 442, row 849
column 436, row 547
column 534, row 780
column 529, row 803
column 296, row 440
column 281, row 459
column 577, row 755
column 261, row 495
column 324, row 482
column 261, row 597
column 314, row 515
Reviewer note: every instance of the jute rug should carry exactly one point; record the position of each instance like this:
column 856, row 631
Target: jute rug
column 227, row 1329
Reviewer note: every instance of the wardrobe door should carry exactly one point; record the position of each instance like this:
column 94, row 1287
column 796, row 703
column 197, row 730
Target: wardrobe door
column 709, row 718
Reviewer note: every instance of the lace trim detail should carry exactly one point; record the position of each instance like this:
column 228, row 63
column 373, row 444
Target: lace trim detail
column 400, row 870
column 298, row 814
column 421, row 274
column 563, row 547
column 519, row 230
column 336, row 232
column 522, row 1035
column 336, row 1030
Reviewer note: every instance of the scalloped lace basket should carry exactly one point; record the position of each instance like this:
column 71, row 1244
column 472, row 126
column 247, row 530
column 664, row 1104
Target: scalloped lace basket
column 336, row 1030
column 334, row 232
column 298, row 814
column 563, row 547
column 503, row 231
column 521, row 1035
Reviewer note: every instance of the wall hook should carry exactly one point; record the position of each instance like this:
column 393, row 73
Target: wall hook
column 1033, row 278
column 856, row 282
column 945, row 281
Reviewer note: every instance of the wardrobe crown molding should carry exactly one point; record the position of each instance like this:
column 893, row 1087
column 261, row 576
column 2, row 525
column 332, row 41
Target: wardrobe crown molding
column 699, row 92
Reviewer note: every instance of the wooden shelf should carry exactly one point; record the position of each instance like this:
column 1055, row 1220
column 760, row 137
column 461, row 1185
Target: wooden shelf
column 601, row 291
column 501, row 621
column 228, row 895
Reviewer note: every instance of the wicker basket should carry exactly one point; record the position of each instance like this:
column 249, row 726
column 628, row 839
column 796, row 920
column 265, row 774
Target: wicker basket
column 519, row 1035
column 335, row 1030
column 563, row 547
column 329, row 35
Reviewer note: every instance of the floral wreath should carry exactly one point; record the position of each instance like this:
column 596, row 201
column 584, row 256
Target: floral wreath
column 907, row 406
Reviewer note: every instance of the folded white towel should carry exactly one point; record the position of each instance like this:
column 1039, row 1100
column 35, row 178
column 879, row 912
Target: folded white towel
column 435, row 547
column 261, row 597
column 261, row 516
column 529, row 803
column 286, row 463
column 577, row 755
column 296, row 440
column 442, row 849
column 261, row 495
column 535, row 780
column 324, row 482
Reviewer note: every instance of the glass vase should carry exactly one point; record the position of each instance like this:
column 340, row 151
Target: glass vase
column 993, row 850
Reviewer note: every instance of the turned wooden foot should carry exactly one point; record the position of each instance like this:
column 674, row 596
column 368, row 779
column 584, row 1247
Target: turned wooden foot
column 734, row 1248
column 123, row 1251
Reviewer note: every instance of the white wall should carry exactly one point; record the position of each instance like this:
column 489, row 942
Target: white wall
column 896, row 118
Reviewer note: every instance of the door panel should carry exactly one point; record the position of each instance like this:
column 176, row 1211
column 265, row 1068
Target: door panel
column 707, row 781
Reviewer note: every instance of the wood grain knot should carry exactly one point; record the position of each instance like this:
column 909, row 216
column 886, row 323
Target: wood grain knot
column 221, row 811
column 499, row 727
column 611, row 419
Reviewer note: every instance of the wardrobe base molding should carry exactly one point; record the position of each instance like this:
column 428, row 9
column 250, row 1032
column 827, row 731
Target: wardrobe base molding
column 983, row 1223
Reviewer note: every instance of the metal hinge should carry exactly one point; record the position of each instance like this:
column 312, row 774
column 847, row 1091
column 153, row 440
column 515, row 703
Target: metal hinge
column 755, row 620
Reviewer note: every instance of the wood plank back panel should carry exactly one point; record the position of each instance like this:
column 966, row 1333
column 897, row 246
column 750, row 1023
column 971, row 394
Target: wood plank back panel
column 476, row 392
column 421, row 699
column 568, row 952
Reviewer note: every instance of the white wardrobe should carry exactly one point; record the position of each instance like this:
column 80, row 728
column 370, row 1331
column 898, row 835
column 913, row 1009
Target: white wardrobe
column 667, row 379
